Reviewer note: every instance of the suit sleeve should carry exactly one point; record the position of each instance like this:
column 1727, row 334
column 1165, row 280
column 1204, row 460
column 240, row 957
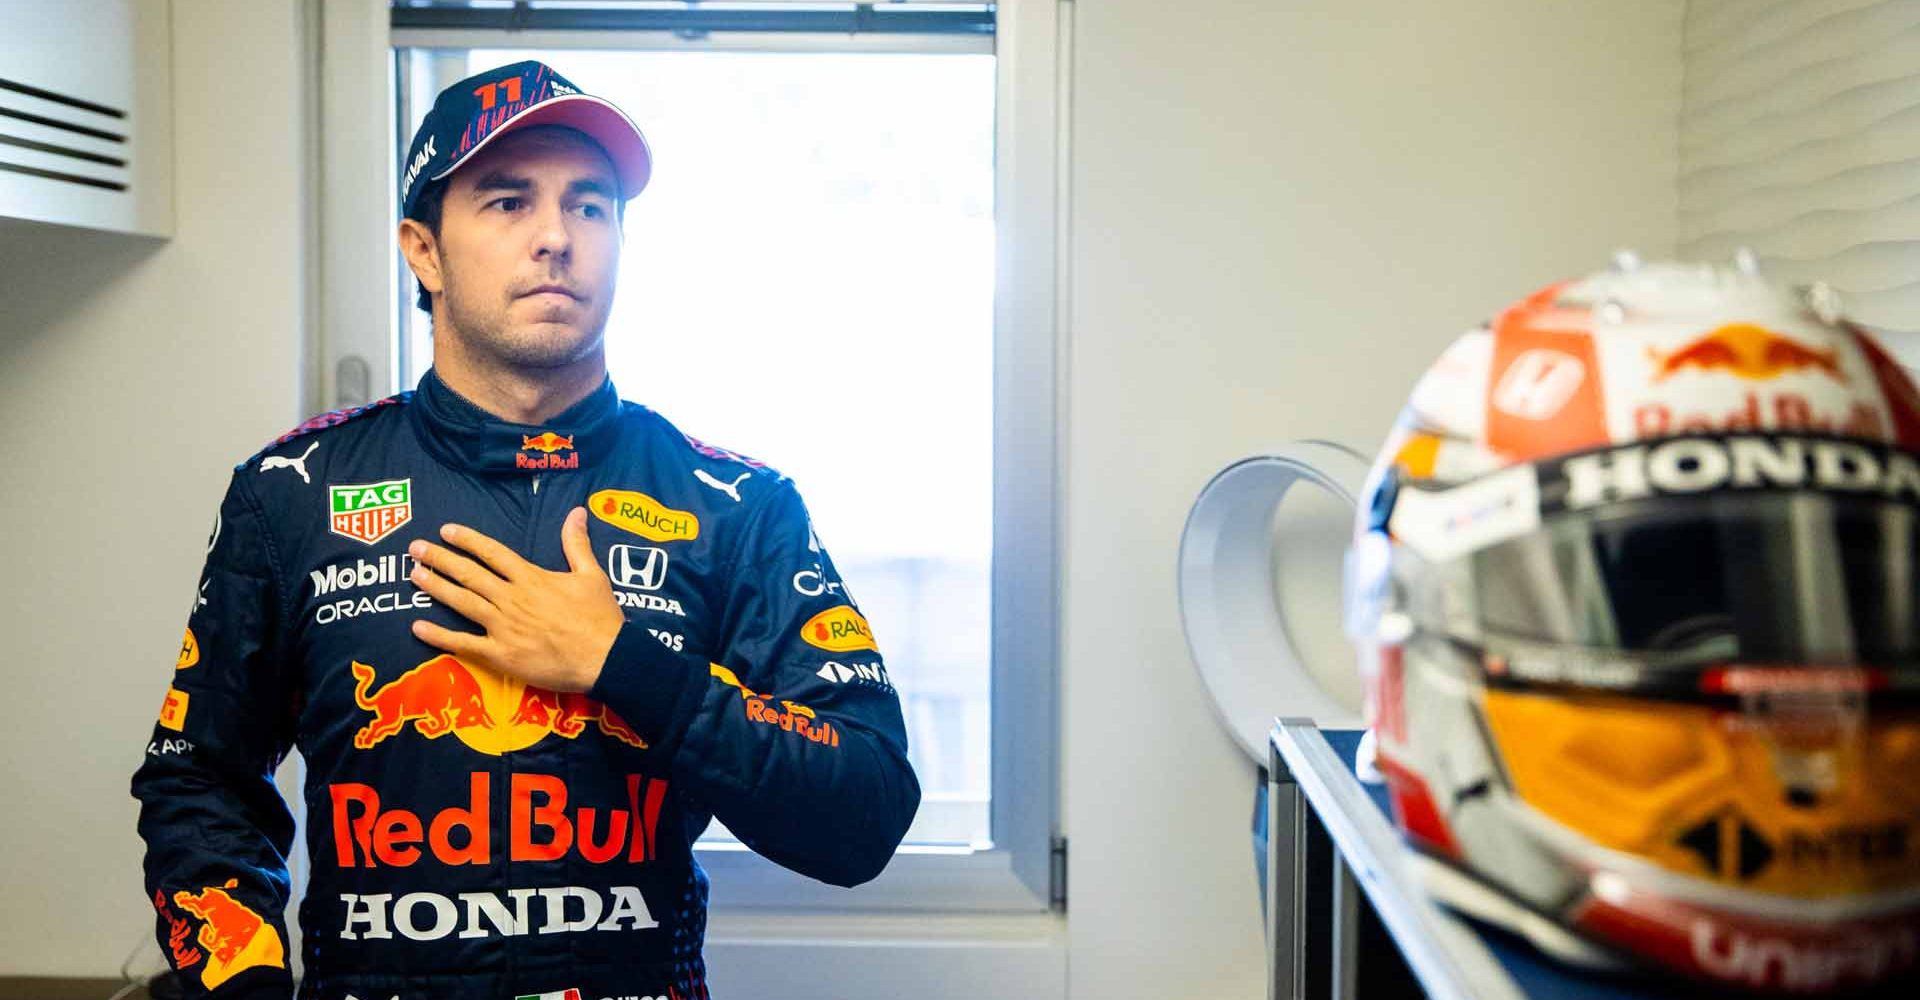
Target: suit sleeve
column 793, row 734
column 217, row 831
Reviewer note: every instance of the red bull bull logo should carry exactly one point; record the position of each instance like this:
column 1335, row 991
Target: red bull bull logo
column 1745, row 351
column 539, row 825
column 234, row 936
column 567, row 713
column 547, row 442
column 437, row 696
column 486, row 711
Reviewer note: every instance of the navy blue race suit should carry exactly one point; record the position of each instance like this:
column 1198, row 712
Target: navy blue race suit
column 471, row 836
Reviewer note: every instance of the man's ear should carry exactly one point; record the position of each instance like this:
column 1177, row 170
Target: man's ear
column 423, row 254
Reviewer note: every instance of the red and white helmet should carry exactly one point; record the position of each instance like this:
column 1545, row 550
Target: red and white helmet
column 1636, row 586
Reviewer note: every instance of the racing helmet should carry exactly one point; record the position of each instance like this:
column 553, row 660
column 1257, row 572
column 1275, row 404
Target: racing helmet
column 1635, row 586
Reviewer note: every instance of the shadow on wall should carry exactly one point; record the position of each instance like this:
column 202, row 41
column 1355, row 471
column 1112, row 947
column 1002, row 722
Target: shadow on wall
column 48, row 271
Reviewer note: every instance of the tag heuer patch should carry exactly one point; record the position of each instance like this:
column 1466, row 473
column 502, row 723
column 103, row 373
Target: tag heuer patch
column 556, row 995
column 371, row 511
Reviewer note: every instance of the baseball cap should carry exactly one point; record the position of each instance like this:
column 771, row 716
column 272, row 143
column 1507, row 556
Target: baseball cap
column 469, row 114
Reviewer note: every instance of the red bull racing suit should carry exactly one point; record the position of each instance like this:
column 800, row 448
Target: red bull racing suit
column 469, row 835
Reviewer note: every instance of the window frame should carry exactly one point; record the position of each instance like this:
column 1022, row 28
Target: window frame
column 357, row 357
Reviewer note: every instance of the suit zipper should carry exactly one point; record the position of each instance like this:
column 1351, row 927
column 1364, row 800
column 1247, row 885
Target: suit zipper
column 533, row 520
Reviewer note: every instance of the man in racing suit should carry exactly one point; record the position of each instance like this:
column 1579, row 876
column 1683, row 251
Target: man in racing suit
column 526, row 662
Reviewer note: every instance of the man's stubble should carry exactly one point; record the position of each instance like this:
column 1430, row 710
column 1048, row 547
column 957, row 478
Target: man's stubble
column 488, row 341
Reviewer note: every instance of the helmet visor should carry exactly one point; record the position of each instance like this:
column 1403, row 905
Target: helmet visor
column 1801, row 577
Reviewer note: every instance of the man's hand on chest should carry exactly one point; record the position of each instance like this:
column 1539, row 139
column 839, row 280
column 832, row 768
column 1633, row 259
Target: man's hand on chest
column 550, row 629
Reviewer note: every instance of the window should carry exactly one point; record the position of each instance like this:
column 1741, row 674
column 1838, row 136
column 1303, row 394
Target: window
column 865, row 220
column 808, row 279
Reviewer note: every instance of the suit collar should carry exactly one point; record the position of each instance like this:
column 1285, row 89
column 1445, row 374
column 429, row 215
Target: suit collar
column 460, row 433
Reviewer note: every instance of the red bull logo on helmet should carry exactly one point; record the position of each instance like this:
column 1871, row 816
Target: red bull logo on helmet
column 234, row 936
column 1810, row 390
column 1748, row 351
column 1785, row 411
column 487, row 711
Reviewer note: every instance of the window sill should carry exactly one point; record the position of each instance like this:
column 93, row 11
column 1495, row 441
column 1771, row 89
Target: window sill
column 932, row 882
column 836, row 956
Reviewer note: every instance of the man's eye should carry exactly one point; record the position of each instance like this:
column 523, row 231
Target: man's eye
column 507, row 204
column 593, row 211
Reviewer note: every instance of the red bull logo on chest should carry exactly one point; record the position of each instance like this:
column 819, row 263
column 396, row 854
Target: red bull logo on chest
column 368, row 833
column 487, row 711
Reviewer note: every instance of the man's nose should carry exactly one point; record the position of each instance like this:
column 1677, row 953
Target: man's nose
column 551, row 237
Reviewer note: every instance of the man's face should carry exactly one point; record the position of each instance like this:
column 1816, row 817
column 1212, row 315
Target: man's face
column 529, row 247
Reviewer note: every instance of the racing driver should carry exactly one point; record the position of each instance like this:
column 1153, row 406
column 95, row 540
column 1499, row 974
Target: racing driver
column 528, row 637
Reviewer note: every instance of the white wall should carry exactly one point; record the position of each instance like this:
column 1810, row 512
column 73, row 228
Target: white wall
column 133, row 375
column 1281, row 212
column 1800, row 139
